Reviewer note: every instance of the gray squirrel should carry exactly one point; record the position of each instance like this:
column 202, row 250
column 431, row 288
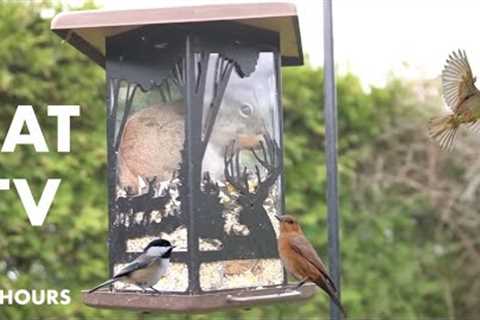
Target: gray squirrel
column 153, row 138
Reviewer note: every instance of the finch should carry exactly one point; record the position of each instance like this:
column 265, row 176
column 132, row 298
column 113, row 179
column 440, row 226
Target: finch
column 301, row 260
column 461, row 96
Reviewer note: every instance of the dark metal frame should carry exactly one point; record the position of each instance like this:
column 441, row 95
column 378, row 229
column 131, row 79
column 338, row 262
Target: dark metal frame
column 190, row 76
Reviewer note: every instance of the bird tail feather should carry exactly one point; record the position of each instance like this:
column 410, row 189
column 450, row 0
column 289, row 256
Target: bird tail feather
column 333, row 295
column 442, row 129
column 103, row 284
column 338, row 303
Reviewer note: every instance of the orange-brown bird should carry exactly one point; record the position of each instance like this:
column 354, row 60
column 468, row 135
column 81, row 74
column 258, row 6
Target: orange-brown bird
column 461, row 96
column 301, row 260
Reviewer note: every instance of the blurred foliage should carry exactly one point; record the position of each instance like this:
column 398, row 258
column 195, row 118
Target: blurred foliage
column 405, row 252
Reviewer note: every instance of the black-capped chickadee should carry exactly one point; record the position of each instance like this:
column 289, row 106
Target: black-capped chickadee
column 146, row 269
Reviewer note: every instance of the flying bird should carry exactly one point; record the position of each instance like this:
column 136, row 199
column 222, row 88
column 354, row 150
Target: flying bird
column 461, row 96
column 301, row 260
column 146, row 269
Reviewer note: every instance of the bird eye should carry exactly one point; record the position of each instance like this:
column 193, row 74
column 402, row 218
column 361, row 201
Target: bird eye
column 246, row 110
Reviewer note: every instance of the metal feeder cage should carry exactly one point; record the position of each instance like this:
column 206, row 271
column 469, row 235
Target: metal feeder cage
column 194, row 132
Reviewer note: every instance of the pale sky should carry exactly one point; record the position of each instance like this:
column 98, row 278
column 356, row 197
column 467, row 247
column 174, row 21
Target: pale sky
column 375, row 38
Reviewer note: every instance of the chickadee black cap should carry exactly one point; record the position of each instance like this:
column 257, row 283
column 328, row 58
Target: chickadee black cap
column 158, row 243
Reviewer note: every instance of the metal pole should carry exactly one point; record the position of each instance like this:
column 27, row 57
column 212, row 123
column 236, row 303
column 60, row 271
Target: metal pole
column 331, row 152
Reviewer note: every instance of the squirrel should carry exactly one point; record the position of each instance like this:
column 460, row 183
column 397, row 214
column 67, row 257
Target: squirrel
column 153, row 138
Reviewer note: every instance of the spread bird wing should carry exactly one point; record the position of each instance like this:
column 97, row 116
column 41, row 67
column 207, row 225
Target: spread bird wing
column 457, row 80
column 304, row 248
column 140, row 262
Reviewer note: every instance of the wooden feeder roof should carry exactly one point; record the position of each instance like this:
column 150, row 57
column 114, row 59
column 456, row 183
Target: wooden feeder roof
column 87, row 30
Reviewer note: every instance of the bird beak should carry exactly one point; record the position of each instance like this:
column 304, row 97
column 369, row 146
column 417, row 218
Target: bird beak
column 278, row 217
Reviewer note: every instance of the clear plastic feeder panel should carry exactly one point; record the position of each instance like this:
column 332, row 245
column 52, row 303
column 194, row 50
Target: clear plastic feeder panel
column 150, row 126
column 195, row 157
column 241, row 158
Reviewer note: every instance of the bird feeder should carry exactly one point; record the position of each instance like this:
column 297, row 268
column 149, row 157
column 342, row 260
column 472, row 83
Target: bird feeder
column 194, row 136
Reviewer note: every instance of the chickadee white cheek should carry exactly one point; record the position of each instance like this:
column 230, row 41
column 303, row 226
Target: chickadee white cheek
column 157, row 251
